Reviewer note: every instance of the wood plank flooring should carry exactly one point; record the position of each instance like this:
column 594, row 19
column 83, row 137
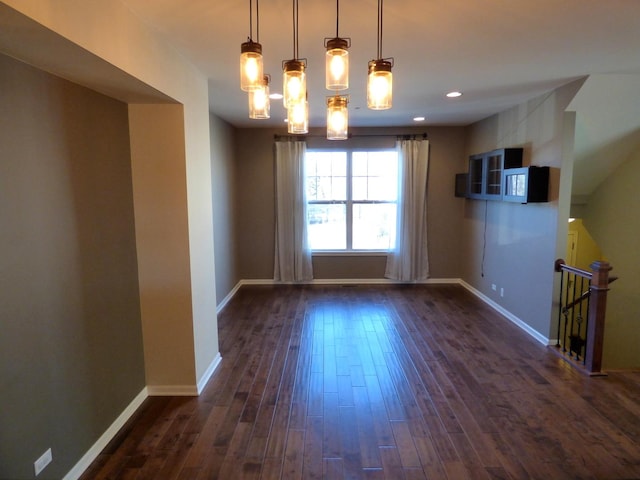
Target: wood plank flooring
column 382, row 382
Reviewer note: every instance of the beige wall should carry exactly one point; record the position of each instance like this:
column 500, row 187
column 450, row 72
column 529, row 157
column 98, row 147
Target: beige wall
column 223, row 173
column 522, row 241
column 71, row 351
column 159, row 184
column 105, row 46
column 612, row 218
column 255, row 203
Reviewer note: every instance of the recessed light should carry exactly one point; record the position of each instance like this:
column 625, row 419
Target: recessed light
column 418, row 119
column 454, row 94
column 275, row 96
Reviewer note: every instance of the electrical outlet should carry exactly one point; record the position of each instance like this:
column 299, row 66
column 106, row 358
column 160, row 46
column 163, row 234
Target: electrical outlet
column 43, row 461
column 493, row 287
column 501, row 292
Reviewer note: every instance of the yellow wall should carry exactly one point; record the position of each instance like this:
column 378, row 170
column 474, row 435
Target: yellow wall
column 587, row 250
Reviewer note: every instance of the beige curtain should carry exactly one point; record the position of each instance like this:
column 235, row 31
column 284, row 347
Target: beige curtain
column 409, row 262
column 292, row 252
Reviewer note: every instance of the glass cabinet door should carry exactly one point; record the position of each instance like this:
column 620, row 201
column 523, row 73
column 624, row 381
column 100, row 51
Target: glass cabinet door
column 484, row 180
column 494, row 175
column 475, row 175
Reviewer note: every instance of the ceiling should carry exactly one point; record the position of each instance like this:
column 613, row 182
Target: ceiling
column 499, row 53
column 607, row 131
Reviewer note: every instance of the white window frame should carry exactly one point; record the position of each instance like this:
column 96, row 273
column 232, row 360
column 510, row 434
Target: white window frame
column 349, row 202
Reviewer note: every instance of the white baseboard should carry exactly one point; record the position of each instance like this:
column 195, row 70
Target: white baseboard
column 186, row 390
column 106, row 437
column 207, row 374
column 151, row 390
column 228, row 298
column 506, row 313
column 172, row 390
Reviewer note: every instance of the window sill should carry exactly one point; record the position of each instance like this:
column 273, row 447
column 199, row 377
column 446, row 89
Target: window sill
column 349, row 253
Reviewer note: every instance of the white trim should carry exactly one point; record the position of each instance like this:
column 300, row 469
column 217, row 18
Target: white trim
column 207, row 374
column 228, row 298
column 507, row 314
column 258, row 281
column 173, row 390
column 88, row 458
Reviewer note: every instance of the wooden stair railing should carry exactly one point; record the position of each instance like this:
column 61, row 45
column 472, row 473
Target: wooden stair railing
column 571, row 304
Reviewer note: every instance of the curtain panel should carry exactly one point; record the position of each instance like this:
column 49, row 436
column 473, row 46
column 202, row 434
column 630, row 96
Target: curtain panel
column 409, row 262
column 292, row 252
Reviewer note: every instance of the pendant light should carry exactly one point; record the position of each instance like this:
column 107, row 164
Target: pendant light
column 337, row 58
column 251, row 64
column 337, row 117
column 380, row 78
column 294, row 79
column 298, row 117
column 259, row 104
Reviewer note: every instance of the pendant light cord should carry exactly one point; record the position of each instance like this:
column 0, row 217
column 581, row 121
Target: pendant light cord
column 380, row 29
column 250, row 20
column 337, row 17
column 295, row 29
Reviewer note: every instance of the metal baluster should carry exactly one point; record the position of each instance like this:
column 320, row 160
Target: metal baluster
column 560, row 308
column 586, row 327
column 566, row 313
column 573, row 314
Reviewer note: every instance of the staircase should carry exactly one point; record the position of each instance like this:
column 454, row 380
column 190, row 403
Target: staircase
column 581, row 314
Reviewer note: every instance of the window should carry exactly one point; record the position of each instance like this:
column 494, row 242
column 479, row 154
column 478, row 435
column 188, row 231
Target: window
column 352, row 199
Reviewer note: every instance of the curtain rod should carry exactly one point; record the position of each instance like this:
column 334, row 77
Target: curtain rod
column 397, row 136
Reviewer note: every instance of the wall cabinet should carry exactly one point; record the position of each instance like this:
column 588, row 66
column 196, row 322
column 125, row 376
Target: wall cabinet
column 526, row 185
column 485, row 178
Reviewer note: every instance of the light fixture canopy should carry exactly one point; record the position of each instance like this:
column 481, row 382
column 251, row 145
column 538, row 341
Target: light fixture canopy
column 380, row 78
column 259, row 103
column 337, row 117
column 251, row 63
column 380, row 84
column 298, row 118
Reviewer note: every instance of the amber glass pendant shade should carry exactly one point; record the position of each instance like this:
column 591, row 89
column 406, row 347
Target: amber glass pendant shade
column 251, row 66
column 337, row 118
column 294, row 81
column 337, row 64
column 298, row 118
column 259, row 103
column 380, row 85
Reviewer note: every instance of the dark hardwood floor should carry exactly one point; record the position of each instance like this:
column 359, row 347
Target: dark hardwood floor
column 382, row 382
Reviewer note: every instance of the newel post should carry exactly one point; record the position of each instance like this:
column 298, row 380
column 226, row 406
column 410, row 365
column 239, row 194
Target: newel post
column 597, row 310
